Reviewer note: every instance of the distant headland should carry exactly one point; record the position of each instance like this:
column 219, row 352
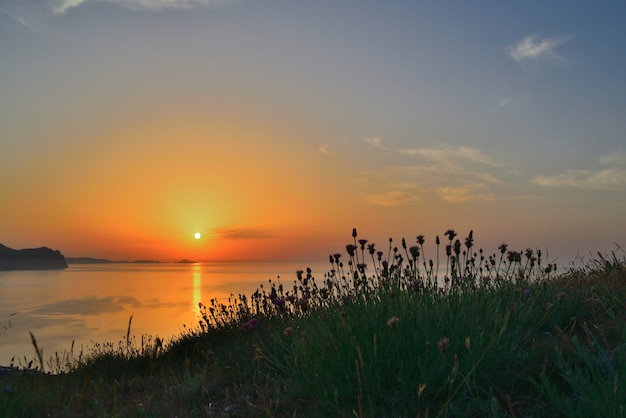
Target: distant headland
column 91, row 260
column 42, row 258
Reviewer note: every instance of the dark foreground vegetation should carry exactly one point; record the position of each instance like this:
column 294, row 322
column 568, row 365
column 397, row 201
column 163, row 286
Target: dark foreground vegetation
column 389, row 333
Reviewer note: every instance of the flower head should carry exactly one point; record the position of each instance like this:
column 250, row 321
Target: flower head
column 451, row 234
column 393, row 322
column 250, row 325
column 443, row 344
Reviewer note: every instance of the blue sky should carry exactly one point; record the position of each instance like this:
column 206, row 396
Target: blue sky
column 399, row 118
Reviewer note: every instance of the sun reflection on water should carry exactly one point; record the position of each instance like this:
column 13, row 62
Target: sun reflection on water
column 197, row 287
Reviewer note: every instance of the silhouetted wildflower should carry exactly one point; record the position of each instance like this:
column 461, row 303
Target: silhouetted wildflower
column 514, row 256
column 351, row 248
column 469, row 241
column 420, row 239
column 457, row 247
column 451, row 234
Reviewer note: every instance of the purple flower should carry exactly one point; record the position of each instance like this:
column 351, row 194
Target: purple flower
column 580, row 280
column 527, row 291
column 416, row 285
column 250, row 325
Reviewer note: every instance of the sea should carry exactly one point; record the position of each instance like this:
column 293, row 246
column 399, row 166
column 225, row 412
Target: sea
column 86, row 306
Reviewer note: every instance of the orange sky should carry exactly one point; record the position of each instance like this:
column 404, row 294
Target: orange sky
column 274, row 130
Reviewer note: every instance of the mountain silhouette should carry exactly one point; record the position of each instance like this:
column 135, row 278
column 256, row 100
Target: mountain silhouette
column 42, row 258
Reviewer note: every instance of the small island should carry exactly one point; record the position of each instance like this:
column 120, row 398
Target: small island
column 186, row 261
column 42, row 258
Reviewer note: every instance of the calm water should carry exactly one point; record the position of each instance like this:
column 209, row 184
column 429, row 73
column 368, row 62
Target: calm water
column 92, row 303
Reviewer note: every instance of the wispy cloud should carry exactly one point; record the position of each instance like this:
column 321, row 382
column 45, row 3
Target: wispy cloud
column 324, row 149
column 63, row 6
column 440, row 154
column 465, row 193
column 242, row 233
column 530, row 48
column 30, row 15
column 607, row 179
column 455, row 174
column 392, row 198
column 610, row 175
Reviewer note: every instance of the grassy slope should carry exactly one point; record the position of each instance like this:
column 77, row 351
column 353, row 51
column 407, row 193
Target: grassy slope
column 376, row 347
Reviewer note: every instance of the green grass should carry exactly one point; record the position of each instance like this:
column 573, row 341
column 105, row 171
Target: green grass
column 476, row 335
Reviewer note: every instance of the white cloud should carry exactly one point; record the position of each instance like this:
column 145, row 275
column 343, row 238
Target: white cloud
column 443, row 153
column 30, row 15
column 63, row 6
column 455, row 174
column 530, row 48
column 616, row 158
column 465, row 193
column 611, row 177
column 607, row 179
column 392, row 198
column 376, row 142
column 324, row 149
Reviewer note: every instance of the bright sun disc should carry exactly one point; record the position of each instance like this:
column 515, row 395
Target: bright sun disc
column 197, row 235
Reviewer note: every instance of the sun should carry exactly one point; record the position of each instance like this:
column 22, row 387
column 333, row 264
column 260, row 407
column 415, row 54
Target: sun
column 197, row 235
